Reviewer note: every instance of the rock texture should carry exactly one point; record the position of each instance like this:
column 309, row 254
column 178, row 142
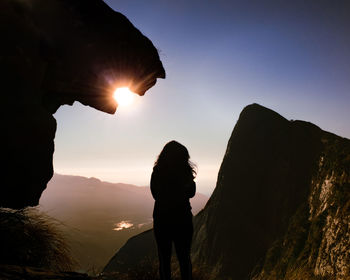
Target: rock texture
column 316, row 243
column 280, row 209
column 54, row 53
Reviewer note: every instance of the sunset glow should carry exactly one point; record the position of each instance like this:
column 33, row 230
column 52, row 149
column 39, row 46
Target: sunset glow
column 124, row 96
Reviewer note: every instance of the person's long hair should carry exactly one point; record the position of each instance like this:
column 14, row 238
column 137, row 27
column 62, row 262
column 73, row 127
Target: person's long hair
column 175, row 155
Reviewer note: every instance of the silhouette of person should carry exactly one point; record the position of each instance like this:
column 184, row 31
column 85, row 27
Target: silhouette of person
column 172, row 186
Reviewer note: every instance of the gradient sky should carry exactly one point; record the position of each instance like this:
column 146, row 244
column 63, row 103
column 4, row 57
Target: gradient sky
column 290, row 56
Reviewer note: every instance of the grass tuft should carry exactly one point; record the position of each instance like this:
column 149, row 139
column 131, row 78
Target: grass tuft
column 29, row 237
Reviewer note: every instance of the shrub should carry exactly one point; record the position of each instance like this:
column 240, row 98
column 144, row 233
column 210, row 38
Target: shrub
column 29, row 237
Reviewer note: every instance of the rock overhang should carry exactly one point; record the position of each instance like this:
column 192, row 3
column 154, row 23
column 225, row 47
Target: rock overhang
column 55, row 53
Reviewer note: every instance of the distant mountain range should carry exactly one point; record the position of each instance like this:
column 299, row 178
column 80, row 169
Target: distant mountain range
column 280, row 209
column 98, row 217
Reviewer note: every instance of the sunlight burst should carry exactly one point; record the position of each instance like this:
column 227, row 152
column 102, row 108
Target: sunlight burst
column 124, row 96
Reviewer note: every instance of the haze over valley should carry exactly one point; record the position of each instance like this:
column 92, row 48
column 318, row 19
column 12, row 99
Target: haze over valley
column 98, row 217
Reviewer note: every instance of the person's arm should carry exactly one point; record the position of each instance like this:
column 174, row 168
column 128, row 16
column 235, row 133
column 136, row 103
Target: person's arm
column 190, row 188
column 155, row 186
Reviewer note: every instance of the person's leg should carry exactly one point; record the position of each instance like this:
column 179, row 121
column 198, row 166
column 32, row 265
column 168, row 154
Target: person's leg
column 164, row 244
column 183, row 241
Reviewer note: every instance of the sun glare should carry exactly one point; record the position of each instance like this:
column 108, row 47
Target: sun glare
column 124, row 96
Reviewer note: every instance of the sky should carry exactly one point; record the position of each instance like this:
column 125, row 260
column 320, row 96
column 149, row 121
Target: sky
column 290, row 56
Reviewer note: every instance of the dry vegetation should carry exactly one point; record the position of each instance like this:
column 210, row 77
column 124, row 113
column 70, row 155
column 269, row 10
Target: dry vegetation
column 29, row 237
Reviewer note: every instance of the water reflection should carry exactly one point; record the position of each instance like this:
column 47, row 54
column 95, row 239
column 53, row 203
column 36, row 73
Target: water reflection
column 123, row 225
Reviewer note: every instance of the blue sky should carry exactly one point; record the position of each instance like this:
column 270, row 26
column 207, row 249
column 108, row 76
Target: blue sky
column 290, row 56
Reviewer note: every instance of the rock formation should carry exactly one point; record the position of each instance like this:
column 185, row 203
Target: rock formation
column 54, row 53
column 280, row 209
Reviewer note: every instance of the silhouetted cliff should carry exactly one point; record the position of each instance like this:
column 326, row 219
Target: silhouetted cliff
column 54, row 53
column 280, row 208
column 264, row 178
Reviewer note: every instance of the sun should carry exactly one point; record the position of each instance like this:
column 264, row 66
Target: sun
column 124, row 96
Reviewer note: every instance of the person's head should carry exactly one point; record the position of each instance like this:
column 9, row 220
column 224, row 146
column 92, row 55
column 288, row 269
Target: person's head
column 175, row 155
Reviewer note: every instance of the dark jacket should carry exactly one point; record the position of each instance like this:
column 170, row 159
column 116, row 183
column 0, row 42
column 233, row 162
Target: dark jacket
column 172, row 188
